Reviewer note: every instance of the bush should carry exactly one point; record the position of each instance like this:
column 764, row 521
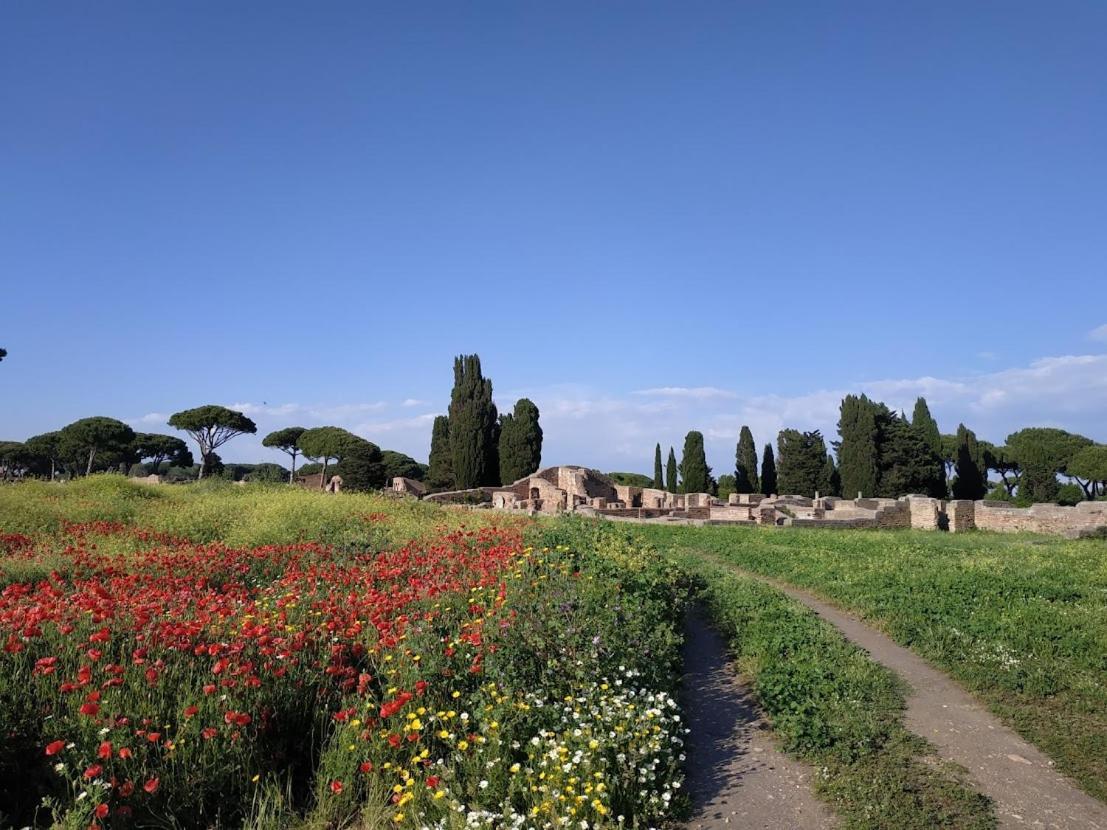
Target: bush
column 1070, row 494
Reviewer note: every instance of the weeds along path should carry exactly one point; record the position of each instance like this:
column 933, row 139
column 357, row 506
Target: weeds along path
column 737, row 776
column 1021, row 780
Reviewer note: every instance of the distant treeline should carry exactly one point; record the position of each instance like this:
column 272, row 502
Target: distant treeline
column 883, row 453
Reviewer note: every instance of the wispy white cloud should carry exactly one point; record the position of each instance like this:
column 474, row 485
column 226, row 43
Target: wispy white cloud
column 699, row 393
column 413, row 402
column 1099, row 333
column 583, row 425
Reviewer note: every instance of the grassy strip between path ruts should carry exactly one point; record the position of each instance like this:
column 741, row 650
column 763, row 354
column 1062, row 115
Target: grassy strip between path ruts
column 838, row 711
column 1020, row 620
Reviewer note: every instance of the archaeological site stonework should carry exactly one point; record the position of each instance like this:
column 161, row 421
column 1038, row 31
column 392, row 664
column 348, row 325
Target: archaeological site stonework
column 580, row 490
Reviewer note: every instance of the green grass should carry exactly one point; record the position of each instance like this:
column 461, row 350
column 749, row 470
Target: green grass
column 239, row 516
column 828, row 702
column 1021, row 621
column 839, row 711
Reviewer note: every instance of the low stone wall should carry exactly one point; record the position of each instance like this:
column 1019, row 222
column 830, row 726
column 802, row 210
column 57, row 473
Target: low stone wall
column 1084, row 519
column 477, row 495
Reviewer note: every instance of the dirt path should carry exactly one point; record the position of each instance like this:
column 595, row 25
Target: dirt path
column 1026, row 789
column 737, row 776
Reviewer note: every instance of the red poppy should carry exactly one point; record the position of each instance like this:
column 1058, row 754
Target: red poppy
column 151, row 785
column 336, row 787
column 93, row 771
column 54, row 747
column 104, row 752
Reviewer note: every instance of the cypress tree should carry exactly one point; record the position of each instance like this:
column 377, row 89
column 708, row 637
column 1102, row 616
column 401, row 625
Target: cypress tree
column 745, row 463
column 802, row 470
column 908, row 463
column 832, row 477
column 440, row 473
column 970, row 482
column 924, row 425
column 768, row 471
column 858, row 447
column 492, row 453
column 658, row 477
column 473, row 425
column 671, row 472
column 694, row 473
column 520, row 442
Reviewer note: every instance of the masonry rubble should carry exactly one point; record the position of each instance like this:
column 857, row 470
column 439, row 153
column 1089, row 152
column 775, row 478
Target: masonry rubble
column 575, row 489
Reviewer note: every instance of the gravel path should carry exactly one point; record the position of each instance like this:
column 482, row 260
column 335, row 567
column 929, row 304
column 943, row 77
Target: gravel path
column 1026, row 789
column 737, row 776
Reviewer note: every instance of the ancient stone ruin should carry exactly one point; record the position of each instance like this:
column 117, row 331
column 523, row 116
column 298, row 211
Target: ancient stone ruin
column 572, row 489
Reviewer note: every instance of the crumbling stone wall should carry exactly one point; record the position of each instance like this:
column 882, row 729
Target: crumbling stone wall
column 1072, row 522
column 926, row 513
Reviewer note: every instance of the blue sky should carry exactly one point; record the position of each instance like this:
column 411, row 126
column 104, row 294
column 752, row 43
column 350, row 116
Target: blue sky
column 648, row 217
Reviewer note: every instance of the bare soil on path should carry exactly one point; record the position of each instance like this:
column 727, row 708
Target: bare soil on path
column 737, row 776
column 1020, row 779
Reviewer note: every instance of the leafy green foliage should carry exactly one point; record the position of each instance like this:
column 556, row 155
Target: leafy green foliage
column 726, row 486
column 658, row 476
column 156, row 449
column 211, row 427
column 970, row 482
column 671, row 472
column 694, row 473
column 326, row 444
column 802, row 463
column 440, row 471
column 472, row 425
column 745, row 463
column 631, row 479
column 768, row 471
column 360, row 465
column 398, row 465
column 287, row 441
column 859, row 446
column 907, row 461
column 832, row 477
column 81, row 441
column 520, row 442
column 1042, row 453
column 1090, row 464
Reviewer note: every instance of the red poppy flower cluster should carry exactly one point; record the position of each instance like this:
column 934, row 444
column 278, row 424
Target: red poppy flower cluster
column 151, row 657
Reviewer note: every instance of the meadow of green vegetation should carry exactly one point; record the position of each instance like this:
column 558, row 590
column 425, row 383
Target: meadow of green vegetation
column 267, row 657
column 1020, row 620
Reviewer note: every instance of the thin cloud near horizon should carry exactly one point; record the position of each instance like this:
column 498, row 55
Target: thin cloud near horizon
column 618, row 431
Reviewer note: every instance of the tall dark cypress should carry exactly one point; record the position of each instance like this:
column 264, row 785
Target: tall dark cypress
column 440, row 472
column 694, row 474
column 832, row 477
column 768, row 471
column 520, row 442
column 472, row 425
column 671, row 472
column 802, row 469
column 745, row 463
column 858, row 449
column 658, row 477
column 924, row 425
column 970, row 482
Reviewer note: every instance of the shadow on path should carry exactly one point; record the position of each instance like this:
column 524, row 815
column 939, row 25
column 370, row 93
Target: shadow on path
column 737, row 777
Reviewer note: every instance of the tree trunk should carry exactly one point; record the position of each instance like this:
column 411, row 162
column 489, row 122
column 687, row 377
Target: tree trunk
column 292, row 475
column 91, row 455
column 203, row 465
column 323, row 475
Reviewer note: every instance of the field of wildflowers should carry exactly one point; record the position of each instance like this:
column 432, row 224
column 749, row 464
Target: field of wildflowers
column 477, row 675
